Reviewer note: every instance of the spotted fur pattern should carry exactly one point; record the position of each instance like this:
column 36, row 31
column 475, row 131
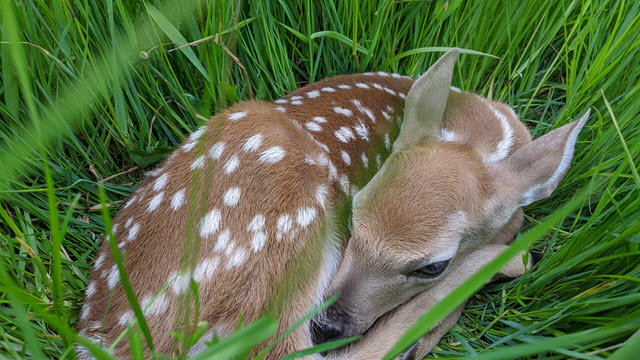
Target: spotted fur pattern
column 252, row 199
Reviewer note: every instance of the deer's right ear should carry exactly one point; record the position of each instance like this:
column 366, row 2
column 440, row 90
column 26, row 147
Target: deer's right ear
column 534, row 171
column 425, row 104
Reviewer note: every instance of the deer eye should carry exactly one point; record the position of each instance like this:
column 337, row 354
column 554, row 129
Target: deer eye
column 431, row 271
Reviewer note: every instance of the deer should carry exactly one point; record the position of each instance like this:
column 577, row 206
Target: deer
column 251, row 207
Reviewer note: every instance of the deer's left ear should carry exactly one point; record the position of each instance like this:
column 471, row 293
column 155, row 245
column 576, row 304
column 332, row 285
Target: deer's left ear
column 534, row 171
column 425, row 104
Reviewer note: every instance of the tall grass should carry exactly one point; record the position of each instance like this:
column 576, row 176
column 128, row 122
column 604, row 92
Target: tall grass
column 96, row 92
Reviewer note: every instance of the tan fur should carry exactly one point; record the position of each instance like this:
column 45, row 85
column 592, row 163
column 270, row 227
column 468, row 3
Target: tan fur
column 434, row 198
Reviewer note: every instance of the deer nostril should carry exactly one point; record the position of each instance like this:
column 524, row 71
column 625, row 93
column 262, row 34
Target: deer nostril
column 323, row 331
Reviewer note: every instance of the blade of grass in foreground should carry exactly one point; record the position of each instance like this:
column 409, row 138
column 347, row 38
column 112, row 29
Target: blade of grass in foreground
column 126, row 285
column 475, row 282
column 240, row 341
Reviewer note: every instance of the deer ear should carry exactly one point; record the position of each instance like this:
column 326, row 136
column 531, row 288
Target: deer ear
column 534, row 171
column 425, row 104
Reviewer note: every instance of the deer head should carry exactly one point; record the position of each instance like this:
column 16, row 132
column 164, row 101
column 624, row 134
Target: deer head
column 435, row 200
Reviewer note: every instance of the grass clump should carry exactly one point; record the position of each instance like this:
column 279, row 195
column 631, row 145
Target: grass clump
column 95, row 93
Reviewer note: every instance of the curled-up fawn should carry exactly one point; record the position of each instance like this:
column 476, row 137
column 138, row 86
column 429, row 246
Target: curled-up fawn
column 251, row 208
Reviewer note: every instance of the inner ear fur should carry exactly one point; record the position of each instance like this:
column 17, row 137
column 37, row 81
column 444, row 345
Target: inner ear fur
column 425, row 104
column 534, row 171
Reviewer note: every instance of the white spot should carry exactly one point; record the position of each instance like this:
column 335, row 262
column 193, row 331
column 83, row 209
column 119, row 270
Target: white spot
column 402, row 95
column 305, row 216
column 259, row 238
column 390, row 91
column 344, row 183
column 387, row 141
column 362, row 131
column 256, row 223
column 113, row 278
column 180, row 283
column 311, row 126
column 237, row 259
column 296, row 97
column 232, row 196
column 281, row 109
column 229, row 249
column 345, row 157
column 285, row 224
column 281, row 101
column 362, row 86
column 128, row 223
column 232, row 164
column 447, row 135
column 319, row 119
column 309, row 160
column 296, row 102
column 342, row 111
column 160, row 182
column 272, row 155
column 157, row 307
column 365, row 160
column 126, row 318
column 378, row 161
column 86, row 310
column 313, row 94
column 344, row 134
column 133, row 232
column 382, row 73
column 322, row 193
column 364, row 110
column 237, row 116
column 91, row 289
column 189, row 146
column 253, row 143
column 99, row 261
column 198, row 163
column 377, row 86
column 210, row 223
column 216, row 151
column 223, row 239
column 386, row 115
column 197, row 134
column 504, row 146
column 155, row 202
column 322, row 159
column 396, row 75
column 206, row 269
column 130, row 201
column 344, row 86
column 453, row 88
column 177, row 200
column 328, row 89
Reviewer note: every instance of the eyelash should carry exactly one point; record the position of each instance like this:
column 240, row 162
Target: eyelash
column 431, row 271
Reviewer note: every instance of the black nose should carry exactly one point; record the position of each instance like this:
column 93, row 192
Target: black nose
column 324, row 331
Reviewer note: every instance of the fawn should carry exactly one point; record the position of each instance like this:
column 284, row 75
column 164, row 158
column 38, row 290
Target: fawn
column 251, row 207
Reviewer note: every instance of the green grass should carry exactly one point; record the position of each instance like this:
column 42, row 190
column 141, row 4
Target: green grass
column 92, row 95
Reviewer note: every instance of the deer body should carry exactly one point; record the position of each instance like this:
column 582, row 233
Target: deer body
column 263, row 182
column 254, row 201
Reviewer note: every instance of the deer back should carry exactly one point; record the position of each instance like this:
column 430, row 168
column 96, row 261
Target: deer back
column 239, row 204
